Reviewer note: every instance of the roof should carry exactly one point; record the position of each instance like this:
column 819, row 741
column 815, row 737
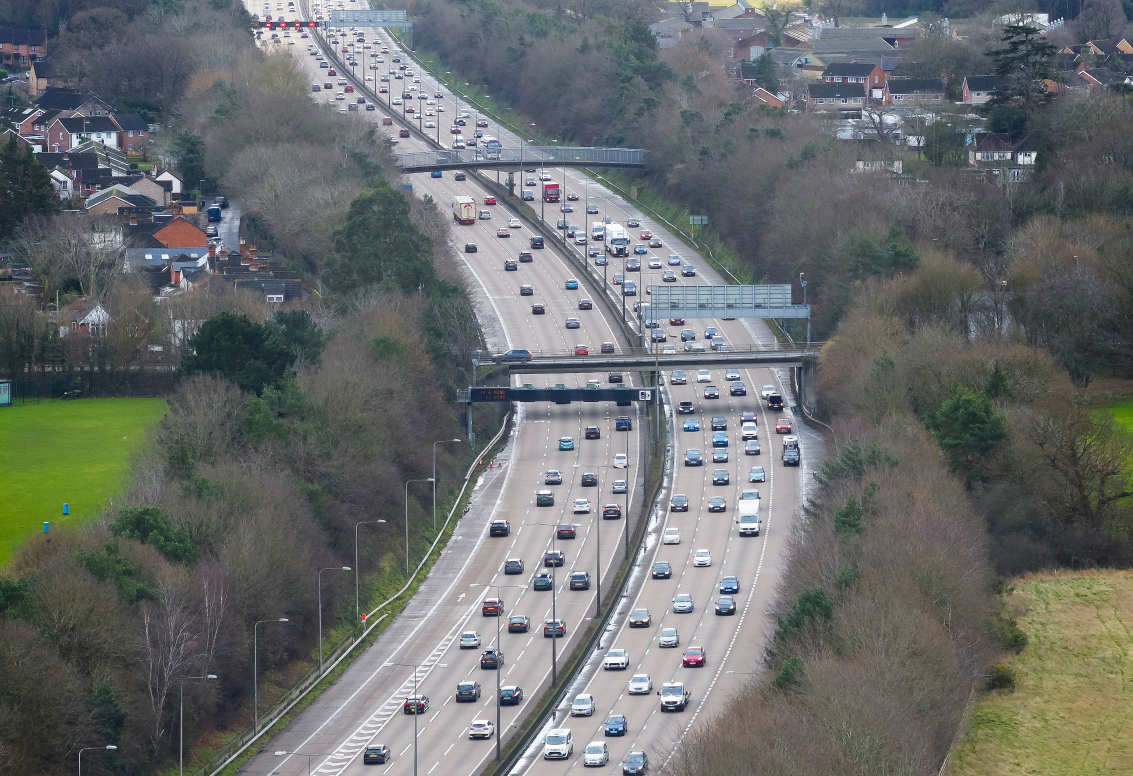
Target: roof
column 849, row 69
column 845, row 33
column 77, row 161
column 843, row 45
column 670, row 25
column 849, row 91
column 1100, row 76
column 765, row 96
column 992, row 141
column 130, row 121
column 46, row 68
column 62, row 99
column 1027, row 145
column 784, row 55
column 1106, row 46
column 915, row 86
column 983, row 83
column 21, row 37
column 81, row 125
column 747, row 71
column 124, row 193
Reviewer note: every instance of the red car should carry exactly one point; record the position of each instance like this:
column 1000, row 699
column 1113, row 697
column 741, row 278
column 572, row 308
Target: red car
column 493, row 607
column 454, row 130
column 783, row 426
column 676, row 321
column 693, row 658
column 332, row 71
column 646, row 234
column 489, row 200
column 581, row 350
column 572, row 197
column 348, row 88
column 383, row 90
column 403, row 133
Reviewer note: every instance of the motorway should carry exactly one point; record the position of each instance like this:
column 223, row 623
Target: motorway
column 366, row 708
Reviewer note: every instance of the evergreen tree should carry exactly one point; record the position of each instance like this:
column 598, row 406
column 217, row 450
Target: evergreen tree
column 25, row 187
column 766, row 73
column 1025, row 61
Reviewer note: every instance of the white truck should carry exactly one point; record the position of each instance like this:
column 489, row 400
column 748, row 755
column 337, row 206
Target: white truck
column 598, row 231
column 674, row 696
column 464, row 210
column 792, row 455
column 617, row 241
column 747, row 516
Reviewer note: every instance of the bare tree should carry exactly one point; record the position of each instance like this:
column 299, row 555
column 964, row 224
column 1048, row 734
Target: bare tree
column 170, row 642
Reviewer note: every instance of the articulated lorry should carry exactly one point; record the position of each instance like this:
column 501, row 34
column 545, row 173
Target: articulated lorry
column 464, row 210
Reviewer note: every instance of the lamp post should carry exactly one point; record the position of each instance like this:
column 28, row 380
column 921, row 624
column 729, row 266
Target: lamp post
column 427, row 479
column 499, row 670
column 803, row 284
column 181, row 742
column 357, row 611
column 625, row 516
column 554, row 611
column 256, row 672
column 415, row 667
column 87, row 749
column 439, row 441
column 604, row 468
column 320, row 575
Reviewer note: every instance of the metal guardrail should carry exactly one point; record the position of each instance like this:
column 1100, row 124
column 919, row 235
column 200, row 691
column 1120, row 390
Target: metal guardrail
column 519, row 156
column 630, row 353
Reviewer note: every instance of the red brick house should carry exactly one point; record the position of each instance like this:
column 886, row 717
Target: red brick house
column 67, row 133
column 872, row 77
column 19, row 47
column 133, row 133
column 766, row 97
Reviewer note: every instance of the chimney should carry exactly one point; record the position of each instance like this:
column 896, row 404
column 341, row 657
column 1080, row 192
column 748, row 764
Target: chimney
column 175, row 276
column 252, row 251
column 212, row 251
column 223, row 252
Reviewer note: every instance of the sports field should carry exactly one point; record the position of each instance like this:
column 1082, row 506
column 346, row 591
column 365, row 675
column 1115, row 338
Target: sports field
column 1071, row 710
column 65, row 451
column 1123, row 413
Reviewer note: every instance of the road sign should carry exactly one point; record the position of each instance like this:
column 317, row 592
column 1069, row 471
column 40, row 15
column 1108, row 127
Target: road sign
column 620, row 396
column 726, row 302
column 698, row 220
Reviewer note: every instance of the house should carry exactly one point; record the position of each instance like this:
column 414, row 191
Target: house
column 668, row 32
column 168, row 232
column 70, row 133
column 835, row 97
column 979, row 89
column 1096, row 79
column 44, row 74
column 892, row 36
column 82, row 168
column 91, row 324
column 78, row 102
column 133, row 133
column 997, row 154
column 913, row 91
column 117, row 198
column 1106, row 48
column 173, row 178
column 20, row 47
column 767, row 98
column 869, row 75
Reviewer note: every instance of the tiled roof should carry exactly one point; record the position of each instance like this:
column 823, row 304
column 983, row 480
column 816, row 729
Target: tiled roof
column 130, row 121
column 915, row 86
column 826, row 91
column 848, row 70
column 21, row 37
column 983, row 83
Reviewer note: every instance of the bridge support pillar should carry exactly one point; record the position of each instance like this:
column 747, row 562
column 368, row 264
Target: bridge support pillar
column 511, row 184
column 806, row 378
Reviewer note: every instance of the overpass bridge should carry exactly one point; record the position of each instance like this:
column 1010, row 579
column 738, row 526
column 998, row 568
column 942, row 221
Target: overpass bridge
column 639, row 359
column 520, row 157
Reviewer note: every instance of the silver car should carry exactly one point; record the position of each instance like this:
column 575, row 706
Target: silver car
column 668, row 638
column 641, row 684
column 682, row 603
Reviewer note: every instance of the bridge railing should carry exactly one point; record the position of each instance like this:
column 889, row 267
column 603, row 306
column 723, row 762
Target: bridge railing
column 531, row 156
column 639, row 352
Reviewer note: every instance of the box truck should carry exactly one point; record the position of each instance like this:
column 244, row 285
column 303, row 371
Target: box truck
column 464, row 210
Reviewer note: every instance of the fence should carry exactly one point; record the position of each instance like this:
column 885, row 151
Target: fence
column 512, row 156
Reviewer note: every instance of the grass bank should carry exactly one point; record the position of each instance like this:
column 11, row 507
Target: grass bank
column 1071, row 708
column 57, row 452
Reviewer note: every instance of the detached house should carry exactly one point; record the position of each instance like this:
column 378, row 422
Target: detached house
column 914, row 91
column 822, row 97
column 979, row 89
column 996, row 153
column 133, row 133
column 70, row 133
column 871, row 76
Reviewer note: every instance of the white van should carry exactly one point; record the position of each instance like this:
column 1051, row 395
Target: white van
column 558, row 745
column 458, row 141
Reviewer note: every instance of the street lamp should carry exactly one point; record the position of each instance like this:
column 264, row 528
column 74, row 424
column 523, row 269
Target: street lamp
column 598, row 543
column 88, row 748
column 554, row 611
column 181, row 744
column 439, row 441
column 803, row 284
column 415, row 667
column 427, row 479
column 256, row 672
column 499, row 669
column 357, row 612
column 320, row 575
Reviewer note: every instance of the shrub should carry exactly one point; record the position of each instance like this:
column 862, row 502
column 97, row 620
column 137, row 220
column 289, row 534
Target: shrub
column 1000, row 677
column 150, row 525
column 813, row 605
column 790, row 675
column 848, row 518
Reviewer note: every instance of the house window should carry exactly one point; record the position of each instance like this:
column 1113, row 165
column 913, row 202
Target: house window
column 843, row 100
column 838, row 79
column 898, row 96
column 275, row 297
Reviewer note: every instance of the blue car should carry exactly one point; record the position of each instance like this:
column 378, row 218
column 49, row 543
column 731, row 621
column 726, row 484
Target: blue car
column 692, row 424
column 543, row 580
column 616, row 725
column 720, row 439
column 729, row 585
column 572, row 285
column 640, row 250
column 566, row 443
column 437, row 174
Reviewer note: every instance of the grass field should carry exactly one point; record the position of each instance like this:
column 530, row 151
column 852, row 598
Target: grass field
column 1122, row 412
column 65, row 451
column 1072, row 710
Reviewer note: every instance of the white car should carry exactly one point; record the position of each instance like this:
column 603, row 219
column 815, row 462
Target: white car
column 514, row 224
column 766, row 391
column 558, row 744
column 340, row 96
column 595, row 754
column 481, row 728
column 430, row 125
column 704, row 376
column 396, row 101
column 749, row 431
column 469, row 640
column 583, row 706
column 640, row 684
column 582, row 506
column 621, row 461
column 616, row 660
column 654, row 262
column 671, row 536
column 702, row 558
column 544, row 176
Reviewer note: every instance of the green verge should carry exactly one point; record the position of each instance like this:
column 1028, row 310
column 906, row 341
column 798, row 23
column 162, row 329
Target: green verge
column 1122, row 412
column 75, row 452
column 1072, row 704
column 388, row 579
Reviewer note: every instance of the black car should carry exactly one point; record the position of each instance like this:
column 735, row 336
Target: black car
column 662, row 570
column 593, row 432
column 719, row 423
column 636, row 763
column 467, row 692
column 580, row 580
column 721, row 477
column 526, row 290
column 678, row 503
column 554, row 558
column 585, row 304
column 518, row 623
column 525, row 257
column 711, row 392
column 589, row 480
column 492, row 659
column 538, row 309
column 459, row 176
column 499, row 528
column 513, row 566
column 725, row 605
column 615, row 377
column 510, row 265
column 694, row 458
column 737, row 389
column 685, row 408
column 747, row 416
column 717, row 504
column 378, row 754
column 470, row 247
